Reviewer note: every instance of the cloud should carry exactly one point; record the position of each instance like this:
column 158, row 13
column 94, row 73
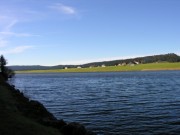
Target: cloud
column 3, row 43
column 8, row 33
column 178, row 53
column 16, row 50
column 6, row 23
column 10, row 25
column 3, row 18
column 63, row 9
column 20, row 49
column 85, row 61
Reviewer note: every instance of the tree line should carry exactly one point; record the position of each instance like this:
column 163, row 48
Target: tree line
column 171, row 57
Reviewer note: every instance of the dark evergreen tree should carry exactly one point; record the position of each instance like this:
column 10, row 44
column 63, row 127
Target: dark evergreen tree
column 5, row 72
column 3, row 63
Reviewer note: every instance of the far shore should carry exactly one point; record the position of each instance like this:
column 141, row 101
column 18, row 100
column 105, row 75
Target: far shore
column 140, row 67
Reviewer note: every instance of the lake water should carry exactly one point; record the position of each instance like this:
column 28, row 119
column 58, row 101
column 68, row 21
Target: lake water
column 119, row 103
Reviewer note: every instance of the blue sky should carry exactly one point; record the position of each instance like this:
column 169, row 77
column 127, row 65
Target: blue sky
column 53, row 32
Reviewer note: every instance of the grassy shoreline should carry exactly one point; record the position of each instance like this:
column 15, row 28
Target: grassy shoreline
column 140, row 67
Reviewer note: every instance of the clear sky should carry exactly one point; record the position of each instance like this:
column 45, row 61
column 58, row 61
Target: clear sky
column 53, row 32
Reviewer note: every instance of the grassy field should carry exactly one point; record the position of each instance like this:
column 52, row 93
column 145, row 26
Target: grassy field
column 140, row 67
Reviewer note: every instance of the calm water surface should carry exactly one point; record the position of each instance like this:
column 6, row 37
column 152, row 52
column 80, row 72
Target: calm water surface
column 122, row 103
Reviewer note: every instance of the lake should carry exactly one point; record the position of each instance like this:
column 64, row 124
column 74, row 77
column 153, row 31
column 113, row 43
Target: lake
column 117, row 103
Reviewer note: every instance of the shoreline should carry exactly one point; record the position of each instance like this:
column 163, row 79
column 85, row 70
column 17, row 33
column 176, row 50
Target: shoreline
column 47, row 72
column 157, row 70
column 175, row 69
column 31, row 116
column 140, row 67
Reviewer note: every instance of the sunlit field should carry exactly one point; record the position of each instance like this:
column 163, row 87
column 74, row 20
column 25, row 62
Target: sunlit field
column 140, row 67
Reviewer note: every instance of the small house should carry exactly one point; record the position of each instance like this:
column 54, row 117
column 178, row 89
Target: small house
column 136, row 62
column 79, row 67
column 123, row 64
column 103, row 65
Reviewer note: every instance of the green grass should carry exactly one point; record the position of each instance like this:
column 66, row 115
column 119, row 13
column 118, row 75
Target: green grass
column 140, row 67
column 12, row 122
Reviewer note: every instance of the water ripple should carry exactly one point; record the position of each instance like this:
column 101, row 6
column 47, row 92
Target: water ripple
column 125, row 103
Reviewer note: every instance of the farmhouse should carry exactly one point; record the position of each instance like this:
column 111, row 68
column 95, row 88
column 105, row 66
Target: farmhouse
column 79, row 67
column 136, row 62
column 103, row 65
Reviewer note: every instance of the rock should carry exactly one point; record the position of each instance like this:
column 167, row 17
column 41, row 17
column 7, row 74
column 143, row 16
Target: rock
column 54, row 123
column 60, row 123
column 73, row 129
column 90, row 133
column 36, row 111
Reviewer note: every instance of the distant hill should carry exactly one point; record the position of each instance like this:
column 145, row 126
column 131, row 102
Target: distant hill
column 171, row 57
column 38, row 67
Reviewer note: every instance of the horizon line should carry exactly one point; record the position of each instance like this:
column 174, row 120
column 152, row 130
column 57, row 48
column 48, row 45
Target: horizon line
column 83, row 62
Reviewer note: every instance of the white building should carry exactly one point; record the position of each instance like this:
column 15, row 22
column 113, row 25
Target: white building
column 103, row 65
column 78, row 67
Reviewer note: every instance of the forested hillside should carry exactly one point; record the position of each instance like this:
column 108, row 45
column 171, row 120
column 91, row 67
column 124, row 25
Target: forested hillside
column 171, row 57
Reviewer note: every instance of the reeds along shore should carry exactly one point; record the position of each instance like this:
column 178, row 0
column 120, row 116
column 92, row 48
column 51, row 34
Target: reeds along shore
column 20, row 115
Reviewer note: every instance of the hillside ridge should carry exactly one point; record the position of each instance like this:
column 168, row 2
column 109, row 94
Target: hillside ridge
column 170, row 57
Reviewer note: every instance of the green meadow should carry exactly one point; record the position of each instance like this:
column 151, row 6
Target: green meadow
column 140, row 67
